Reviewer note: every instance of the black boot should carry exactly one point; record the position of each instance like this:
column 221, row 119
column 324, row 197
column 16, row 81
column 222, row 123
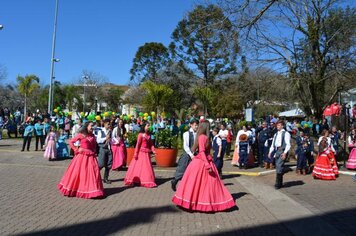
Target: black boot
column 174, row 184
column 279, row 181
column 106, row 176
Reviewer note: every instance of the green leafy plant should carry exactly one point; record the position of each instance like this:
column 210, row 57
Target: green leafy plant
column 165, row 139
column 132, row 139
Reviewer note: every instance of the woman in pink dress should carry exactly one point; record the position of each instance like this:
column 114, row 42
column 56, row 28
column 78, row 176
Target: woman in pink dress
column 118, row 146
column 201, row 188
column 351, row 163
column 82, row 178
column 140, row 171
column 50, row 144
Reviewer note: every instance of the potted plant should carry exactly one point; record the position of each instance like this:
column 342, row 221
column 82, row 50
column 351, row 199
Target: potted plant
column 166, row 151
column 131, row 144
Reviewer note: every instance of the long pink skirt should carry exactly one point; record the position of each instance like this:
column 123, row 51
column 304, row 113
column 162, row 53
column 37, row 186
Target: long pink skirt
column 140, row 171
column 82, row 178
column 51, row 151
column 351, row 163
column 119, row 155
column 201, row 190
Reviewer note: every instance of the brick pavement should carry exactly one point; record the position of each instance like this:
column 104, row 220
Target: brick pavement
column 334, row 201
column 31, row 204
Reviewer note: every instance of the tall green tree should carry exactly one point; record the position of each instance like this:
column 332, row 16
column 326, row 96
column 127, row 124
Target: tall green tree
column 205, row 96
column 112, row 97
column 206, row 41
column 149, row 60
column 311, row 41
column 26, row 85
column 157, row 97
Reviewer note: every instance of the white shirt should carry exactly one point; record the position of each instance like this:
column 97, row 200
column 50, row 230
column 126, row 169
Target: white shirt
column 278, row 141
column 218, row 140
column 75, row 129
column 223, row 134
column 100, row 139
column 115, row 138
column 186, row 142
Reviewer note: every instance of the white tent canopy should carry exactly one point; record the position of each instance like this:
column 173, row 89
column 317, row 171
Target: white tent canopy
column 292, row 113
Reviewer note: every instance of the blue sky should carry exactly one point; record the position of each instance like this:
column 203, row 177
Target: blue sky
column 98, row 35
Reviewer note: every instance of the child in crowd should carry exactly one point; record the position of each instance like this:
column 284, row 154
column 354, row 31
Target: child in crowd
column 244, row 150
column 61, row 146
column 301, row 154
column 217, row 148
column 50, row 144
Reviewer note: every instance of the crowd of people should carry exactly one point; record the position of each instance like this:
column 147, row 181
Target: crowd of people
column 101, row 144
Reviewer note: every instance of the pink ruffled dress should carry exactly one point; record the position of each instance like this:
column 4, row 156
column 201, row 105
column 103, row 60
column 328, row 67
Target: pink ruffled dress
column 140, row 171
column 201, row 189
column 119, row 153
column 51, row 151
column 82, row 178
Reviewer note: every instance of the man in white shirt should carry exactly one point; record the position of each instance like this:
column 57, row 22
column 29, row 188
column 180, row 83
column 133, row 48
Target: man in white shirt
column 187, row 156
column 279, row 150
column 105, row 156
column 223, row 133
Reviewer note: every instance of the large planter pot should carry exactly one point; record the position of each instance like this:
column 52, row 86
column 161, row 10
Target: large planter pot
column 130, row 154
column 166, row 157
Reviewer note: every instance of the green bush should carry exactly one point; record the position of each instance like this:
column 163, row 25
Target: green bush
column 132, row 139
column 165, row 139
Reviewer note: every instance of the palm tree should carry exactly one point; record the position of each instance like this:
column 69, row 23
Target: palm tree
column 157, row 95
column 71, row 95
column 26, row 85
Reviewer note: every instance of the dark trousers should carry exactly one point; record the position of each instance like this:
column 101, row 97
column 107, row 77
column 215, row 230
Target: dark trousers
column 26, row 139
column 183, row 163
column 301, row 162
column 266, row 158
column 223, row 148
column 310, row 159
column 261, row 153
column 105, row 159
column 243, row 158
column 218, row 162
column 279, row 162
column 39, row 139
column 228, row 148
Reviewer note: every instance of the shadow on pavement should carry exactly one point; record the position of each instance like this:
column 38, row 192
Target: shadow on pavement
column 109, row 226
column 236, row 196
column 230, row 176
column 337, row 222
column 117, row 180
column 116, row 190
column 293, row 183
column 160, row 181
column 6, row 145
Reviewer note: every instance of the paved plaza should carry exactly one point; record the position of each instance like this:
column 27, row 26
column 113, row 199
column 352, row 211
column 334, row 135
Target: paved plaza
column 30, row 203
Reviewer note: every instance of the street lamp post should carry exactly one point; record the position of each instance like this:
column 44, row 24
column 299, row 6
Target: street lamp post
column 53, row 60
column 85, row 77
